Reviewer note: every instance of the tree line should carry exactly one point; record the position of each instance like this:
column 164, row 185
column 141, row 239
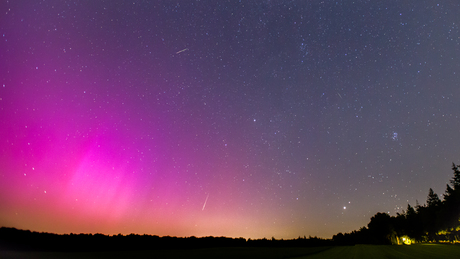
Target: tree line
column 436, row 221
column 26, row 240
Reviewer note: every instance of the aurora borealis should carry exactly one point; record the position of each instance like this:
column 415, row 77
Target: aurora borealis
column 227, row 118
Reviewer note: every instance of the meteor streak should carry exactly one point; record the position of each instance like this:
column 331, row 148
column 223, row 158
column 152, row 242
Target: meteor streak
column 181, row 50
column 204, row 205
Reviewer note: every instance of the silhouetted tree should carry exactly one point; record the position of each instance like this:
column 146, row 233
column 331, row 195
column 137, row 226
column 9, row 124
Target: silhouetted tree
column 413, row 226
column 450, row 211
column 400, row 223
column 456, row 179
column 381, row 228
column 429, row 215
column 433, row 199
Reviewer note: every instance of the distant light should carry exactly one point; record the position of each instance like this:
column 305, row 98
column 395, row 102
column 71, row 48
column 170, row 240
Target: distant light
column 406, row 240
column 344, row 207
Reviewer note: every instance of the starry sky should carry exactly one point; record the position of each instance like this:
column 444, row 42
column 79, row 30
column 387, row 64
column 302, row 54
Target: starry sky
column 227, row 118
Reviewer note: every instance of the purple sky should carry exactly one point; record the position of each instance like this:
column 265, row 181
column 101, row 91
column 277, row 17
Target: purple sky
column 243, row 118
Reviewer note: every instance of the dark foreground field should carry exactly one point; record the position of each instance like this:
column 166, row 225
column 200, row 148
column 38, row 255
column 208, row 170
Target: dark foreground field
column 343, row 252
column 385, row 251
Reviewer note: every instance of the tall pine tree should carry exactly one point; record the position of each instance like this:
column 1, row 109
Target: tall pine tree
column 450, row 211
column 433, row 199
column 456, row 180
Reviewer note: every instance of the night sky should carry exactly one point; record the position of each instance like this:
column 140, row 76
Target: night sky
column 227, row 118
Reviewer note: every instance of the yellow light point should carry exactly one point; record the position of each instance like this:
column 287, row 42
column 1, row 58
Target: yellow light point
column 406, row 240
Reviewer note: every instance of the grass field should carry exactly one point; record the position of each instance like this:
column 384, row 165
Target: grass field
column 360, row 251
column 421, row 251
column 224, row 253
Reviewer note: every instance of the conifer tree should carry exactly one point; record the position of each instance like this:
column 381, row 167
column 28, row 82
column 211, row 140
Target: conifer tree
column 456, row 180
column 433, row 199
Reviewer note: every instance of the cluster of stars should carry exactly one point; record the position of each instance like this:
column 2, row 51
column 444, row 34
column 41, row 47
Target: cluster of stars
column 301, row 118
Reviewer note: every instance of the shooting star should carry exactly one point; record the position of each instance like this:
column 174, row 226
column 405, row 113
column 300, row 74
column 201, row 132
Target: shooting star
column 339, row 95
column 204, row 205
column 181, row 50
